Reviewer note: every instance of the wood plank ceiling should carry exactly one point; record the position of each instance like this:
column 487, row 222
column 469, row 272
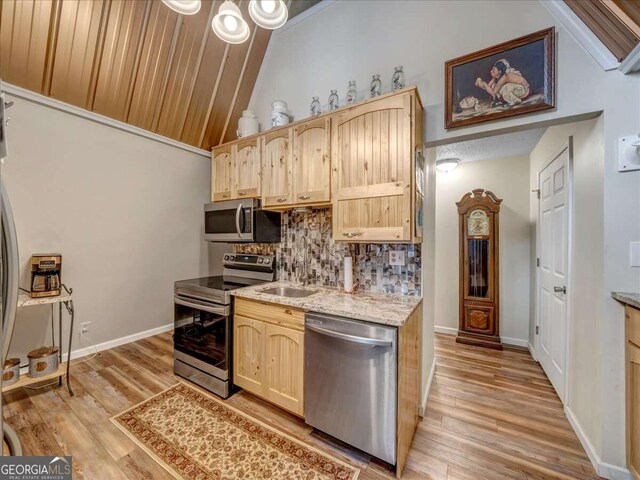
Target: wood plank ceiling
column 134, row 60
column 615, row 22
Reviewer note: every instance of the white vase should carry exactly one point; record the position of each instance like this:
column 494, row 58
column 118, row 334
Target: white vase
column 247, row 124
column 279, row 114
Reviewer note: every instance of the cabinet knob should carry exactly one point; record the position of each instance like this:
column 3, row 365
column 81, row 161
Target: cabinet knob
column 304, row 197
column 242, row 194
column 226, row 195
column 287, row 311
column 351, row 234
column 281, row 200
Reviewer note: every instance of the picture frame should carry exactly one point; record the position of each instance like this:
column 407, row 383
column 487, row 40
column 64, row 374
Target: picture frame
column 512, row 78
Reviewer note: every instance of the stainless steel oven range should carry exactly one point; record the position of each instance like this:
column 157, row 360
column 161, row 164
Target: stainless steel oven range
column 203, row 322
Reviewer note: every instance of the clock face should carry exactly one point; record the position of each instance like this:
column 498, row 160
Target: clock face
column 478, row 224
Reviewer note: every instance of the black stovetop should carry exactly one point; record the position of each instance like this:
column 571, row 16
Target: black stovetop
column 220, row 282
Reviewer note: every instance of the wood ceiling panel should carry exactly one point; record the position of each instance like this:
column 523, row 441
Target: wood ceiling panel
column 230, row 80
column 133, row 60
column 24, row 31
column 183, row 72
column 250, row 73
column 151, row 78
column 120, row 56
column 80, row 32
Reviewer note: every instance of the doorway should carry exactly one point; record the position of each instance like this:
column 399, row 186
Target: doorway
column 552, row 283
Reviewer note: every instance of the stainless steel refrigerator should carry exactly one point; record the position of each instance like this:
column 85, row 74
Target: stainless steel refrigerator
column 9, row 273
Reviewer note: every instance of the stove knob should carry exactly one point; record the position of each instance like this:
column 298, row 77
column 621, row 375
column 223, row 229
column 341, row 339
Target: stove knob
column 260, row 260
column 226, row 257
column 267, row 260
column 232, row 258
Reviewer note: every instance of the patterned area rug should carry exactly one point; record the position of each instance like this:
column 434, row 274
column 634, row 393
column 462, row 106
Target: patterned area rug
column 195, row 436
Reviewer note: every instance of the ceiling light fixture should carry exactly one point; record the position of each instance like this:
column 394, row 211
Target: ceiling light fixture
column 269, row 14
column 229, row 25
column 183, row 7
column 447, row 164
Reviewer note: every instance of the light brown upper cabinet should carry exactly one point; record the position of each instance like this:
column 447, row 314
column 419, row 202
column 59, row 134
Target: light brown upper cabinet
column 222, row 174
column 374, row 148
column 276, row 168
column 235, row 171
column 248, row 169
column 311, row 171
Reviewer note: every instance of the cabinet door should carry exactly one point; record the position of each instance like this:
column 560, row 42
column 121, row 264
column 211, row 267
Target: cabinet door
column 372, row 159
column 248, row 171
column 285, row 365
column 249, row 354
column 311, row 170
column 633, row 391
column 222, row 174
column 276, row 168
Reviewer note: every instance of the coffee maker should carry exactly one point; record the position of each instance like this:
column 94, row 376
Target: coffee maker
column 46, row 269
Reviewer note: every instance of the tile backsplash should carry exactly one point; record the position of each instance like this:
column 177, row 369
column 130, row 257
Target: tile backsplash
column 307, row 240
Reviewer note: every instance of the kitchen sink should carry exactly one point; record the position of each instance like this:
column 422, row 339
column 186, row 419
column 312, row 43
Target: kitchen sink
column 289, row 292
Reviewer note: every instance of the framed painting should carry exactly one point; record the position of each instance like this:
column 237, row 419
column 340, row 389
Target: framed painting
column 509, row 79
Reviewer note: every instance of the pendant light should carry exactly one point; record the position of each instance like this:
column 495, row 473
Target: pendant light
column 229, row 25
column 184, row 7
column 447, row 164
column 269, row 14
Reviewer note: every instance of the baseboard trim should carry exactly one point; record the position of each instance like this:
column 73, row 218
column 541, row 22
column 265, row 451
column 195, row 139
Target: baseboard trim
column 603, row 469
column 423, row 405
column 532, row 351
column 506, row 340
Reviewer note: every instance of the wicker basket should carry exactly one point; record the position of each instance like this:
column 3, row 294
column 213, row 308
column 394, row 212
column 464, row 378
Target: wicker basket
column 43, row 361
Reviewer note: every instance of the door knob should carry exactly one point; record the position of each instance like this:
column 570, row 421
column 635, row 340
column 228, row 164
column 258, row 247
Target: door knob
column 560, row 290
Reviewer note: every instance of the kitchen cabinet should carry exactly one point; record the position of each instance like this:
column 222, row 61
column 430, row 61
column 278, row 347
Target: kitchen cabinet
column 269, row 353
column 276, row 168
column 248, row 169
column 235, row 171
column 249, row 354
column 311, row 171
column 222, row 174
column 285, row 365
column 374, row 148
column 632, row 319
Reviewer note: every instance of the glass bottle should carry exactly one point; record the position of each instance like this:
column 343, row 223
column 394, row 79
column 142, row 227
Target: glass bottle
column 315, row 106
column 376, row 86
column 334, row 102
column 352, row 93
column 398, row 81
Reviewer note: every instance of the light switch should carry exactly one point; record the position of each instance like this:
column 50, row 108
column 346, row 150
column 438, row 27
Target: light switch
column 396, row 257
column 634, row 254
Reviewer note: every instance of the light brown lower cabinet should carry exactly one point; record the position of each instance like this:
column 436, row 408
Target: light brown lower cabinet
column 632, row 320
column 268, row 353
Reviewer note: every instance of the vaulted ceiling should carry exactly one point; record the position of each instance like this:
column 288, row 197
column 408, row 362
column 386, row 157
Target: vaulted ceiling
column 134, row 60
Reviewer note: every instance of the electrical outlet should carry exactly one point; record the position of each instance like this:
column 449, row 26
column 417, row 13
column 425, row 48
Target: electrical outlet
column 84, row 327
column 396, row 257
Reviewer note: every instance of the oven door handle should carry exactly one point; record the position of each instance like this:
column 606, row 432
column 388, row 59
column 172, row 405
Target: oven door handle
column 201, row 306
column 238, row 212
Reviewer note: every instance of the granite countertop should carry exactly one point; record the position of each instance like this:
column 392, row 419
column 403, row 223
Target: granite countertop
column 25, row 300
column 382, row 308
column 631, row 299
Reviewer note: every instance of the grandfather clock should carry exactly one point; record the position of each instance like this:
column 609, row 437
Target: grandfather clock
column 479, row 213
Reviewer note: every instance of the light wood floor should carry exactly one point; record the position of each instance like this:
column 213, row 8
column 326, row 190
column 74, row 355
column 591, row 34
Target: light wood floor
column 490, row 416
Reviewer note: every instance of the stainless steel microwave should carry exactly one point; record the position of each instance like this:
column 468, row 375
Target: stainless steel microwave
column 238, row 221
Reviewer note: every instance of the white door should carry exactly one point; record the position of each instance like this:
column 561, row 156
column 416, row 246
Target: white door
column 553, row 222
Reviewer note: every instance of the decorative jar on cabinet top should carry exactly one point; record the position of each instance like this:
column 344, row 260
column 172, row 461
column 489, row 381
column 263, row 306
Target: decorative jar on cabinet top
column 247, row 124
column 279, row 114
column 315, row 107
column 397, row 80
column 334, row 101
column 352, row 93
column 376, row 86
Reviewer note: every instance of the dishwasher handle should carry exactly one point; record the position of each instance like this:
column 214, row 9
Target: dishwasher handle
column 350, row 338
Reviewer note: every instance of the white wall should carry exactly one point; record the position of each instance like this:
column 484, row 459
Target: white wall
column 508, row 178
column 587, row 320
column 124, row 211
column 355, row 39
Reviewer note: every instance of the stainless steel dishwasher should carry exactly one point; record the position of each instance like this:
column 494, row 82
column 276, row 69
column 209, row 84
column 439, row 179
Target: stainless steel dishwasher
column 350, row 390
